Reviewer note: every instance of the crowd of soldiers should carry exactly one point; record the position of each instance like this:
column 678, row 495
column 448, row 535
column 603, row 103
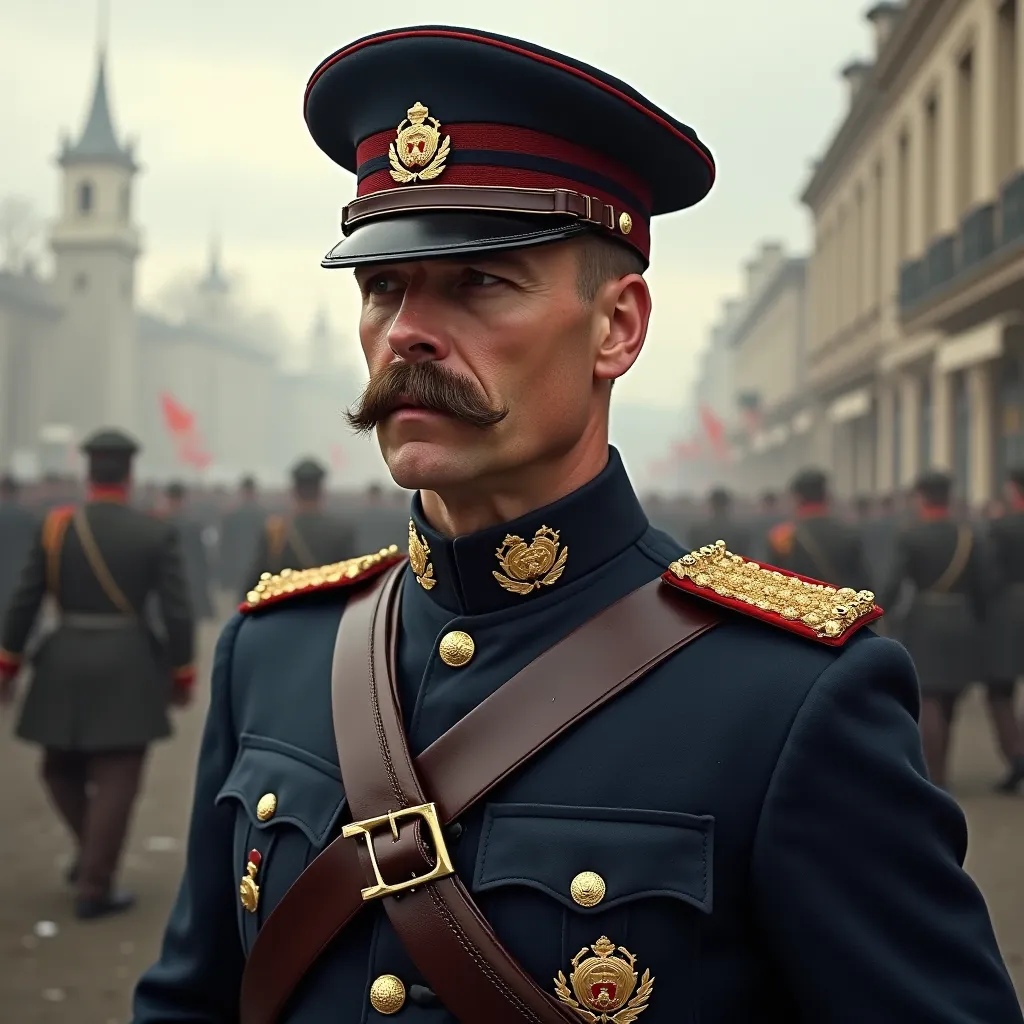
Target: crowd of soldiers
column 952, row 584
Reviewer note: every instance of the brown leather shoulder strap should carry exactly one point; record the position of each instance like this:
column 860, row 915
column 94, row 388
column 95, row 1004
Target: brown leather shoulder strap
column 957, row 564
column 300, row 547
column 276, row 528
column 55, row 526
column 115, row 595
column 581, row 672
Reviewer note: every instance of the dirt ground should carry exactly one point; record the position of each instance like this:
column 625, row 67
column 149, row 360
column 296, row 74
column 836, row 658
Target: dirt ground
column 54, row 970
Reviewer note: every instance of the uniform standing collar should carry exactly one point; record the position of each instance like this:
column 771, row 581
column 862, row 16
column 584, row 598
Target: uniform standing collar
column 566, row 540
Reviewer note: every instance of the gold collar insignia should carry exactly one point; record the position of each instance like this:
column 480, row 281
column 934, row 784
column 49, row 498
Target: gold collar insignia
column 419, row 559
column 528, row 567
column 417, row 145
column 603, row 985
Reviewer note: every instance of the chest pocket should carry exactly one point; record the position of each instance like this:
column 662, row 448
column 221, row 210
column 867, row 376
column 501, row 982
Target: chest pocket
column 554, row 880
column 287, row 802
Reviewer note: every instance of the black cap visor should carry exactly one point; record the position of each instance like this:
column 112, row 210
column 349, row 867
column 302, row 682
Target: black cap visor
column 435, row 235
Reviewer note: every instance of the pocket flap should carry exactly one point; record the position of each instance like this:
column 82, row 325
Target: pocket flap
column 637, row 853
column 306, row 790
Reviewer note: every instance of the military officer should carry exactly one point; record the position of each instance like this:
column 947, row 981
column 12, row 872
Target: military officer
column 719, row 523
column 944, row 563
column 17, row 527
column 745, row 832
column 1006, row 630
column 310, row 536
column 193, row 549
column 239, row 536
column 101, row 682
column 815, row 543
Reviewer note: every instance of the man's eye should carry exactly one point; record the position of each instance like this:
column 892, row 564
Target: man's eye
column 478, row 279
column 381, row 285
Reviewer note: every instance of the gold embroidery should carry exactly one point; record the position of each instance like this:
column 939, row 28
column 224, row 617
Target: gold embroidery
column 419, row 555
column 295, row 581
column 603, row 984
column 418, row 144
column 829, row 611
column 528, row 567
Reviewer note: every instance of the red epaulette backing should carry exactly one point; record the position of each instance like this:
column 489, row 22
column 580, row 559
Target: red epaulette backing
column 809, row 608
column 289, row 583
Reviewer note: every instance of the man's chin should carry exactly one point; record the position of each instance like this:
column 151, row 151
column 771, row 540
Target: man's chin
column 427, row 465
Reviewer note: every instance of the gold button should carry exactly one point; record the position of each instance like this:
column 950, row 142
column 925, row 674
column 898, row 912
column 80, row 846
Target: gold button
column 266, row 807
column 588, row 888
column 387, row 994
column 625, row 223
column 457, row 648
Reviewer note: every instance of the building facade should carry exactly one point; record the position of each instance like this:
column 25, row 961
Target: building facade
column 77, row 352
column 916, row 281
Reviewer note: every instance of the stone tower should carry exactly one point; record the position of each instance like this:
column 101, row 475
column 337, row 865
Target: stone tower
column 95, row 246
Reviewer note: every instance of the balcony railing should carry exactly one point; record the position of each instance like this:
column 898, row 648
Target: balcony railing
column 985, row 231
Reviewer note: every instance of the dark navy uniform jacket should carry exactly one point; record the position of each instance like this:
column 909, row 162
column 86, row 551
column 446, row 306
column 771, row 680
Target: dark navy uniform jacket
column 757, row 807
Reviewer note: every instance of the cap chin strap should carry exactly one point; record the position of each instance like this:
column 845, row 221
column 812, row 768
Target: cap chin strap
column 559, row 202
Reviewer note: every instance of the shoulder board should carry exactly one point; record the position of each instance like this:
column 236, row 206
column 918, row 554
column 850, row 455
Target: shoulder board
column 809, row 608
column 780, row 537
column 272, row 589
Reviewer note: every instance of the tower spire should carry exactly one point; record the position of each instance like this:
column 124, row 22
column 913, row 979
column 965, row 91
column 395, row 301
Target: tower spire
column 98, row 141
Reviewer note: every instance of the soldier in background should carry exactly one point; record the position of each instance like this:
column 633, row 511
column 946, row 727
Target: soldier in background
column 816, row 543
column 378, row 522
column 762, row 522
column 719, row 525
column 943, row 561
column 240, row 536
column 17, row 527
column 102, row 681
column 1005, row 630
column 193, row 549
column 306, row 538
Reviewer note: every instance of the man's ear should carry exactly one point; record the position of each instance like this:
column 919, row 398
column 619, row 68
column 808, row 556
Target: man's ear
column 625, row 308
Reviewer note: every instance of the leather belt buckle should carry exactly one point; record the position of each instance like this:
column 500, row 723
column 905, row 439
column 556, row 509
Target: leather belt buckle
column 427, row 813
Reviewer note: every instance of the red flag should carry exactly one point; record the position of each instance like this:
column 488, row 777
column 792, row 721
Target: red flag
column 714, row 431
column 181, row 425
column 178, row 419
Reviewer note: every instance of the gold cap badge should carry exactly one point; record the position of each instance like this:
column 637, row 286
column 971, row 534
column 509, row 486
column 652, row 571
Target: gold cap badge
column 604, row 984
column 528, row 567
column 417, row 145
column 419, row 559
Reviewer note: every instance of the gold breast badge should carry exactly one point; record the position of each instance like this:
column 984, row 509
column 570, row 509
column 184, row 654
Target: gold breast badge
column 528, row 567
column 418, row 144
column 248, row 890
column 419, row 555
column 603, row 985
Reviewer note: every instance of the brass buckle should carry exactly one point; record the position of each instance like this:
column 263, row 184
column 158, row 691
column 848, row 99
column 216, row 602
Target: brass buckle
column 428, row 812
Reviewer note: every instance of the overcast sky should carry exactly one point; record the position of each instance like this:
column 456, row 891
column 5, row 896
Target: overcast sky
column 212, row 90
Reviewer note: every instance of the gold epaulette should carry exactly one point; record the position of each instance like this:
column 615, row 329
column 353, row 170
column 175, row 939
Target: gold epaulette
column 810, row 608
column 293, row 582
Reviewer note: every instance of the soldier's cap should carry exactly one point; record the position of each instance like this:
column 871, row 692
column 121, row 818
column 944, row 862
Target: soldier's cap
column 463, row 141
column 110, row 442
column 308, row 471
column 934, row 486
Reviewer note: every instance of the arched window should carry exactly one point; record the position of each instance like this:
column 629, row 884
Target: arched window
column 85, row 197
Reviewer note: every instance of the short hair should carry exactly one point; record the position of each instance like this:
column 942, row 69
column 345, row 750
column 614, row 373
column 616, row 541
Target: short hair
column 810, row 486
column 247, row 483
column 175, row 490
column 934, row 488
column 1016, row 477
column 600, row 259
column 109, row 468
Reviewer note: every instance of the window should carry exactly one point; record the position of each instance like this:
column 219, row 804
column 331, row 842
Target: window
column 961, row 434
column 85, row 197
column 1006, row 93
column 931, row 169
column 965, row 134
